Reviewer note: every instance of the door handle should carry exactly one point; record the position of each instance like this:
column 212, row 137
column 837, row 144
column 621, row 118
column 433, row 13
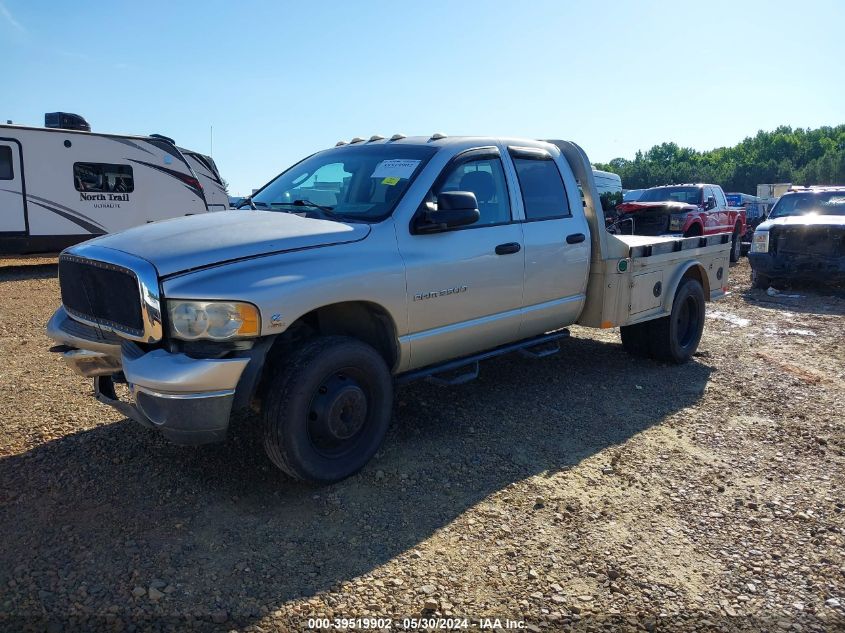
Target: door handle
column 508, row 248
column 575, row 238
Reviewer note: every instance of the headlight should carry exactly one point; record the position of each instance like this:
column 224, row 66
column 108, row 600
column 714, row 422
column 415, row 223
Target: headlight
column 760, row 243
column 215, row 320
column 676, row 222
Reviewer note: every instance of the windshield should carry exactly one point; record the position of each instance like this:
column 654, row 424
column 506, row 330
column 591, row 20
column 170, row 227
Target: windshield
column 810, row 203
column 688, row 195
column 363, row 183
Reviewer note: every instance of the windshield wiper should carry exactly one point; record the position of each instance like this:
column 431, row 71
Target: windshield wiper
column 308, row 203
column 328, row 212
column 247, row 200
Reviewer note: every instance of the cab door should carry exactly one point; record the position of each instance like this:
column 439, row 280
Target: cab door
column 723, row 223
column 714, row 217
column 557, row 242
column 12, row 202
column 464, row 284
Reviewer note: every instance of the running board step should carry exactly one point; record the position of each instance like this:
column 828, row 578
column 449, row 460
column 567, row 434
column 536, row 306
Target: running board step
column 463, row 370
column 542, row 350
column 453, row 378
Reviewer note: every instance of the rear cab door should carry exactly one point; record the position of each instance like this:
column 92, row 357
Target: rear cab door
column 556, row 236
column 728, row 215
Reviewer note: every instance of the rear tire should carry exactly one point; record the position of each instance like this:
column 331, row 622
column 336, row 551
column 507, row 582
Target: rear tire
column 736, row 245
column 676, row 337
column 327, row 409
column 759, row 280
column 635, row 339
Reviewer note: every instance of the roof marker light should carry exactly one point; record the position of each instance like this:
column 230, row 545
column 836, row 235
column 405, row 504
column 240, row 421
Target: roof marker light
column 397, row 137
column 375, row 137
column 437, row 136
column 339, row 143
column 357, row 139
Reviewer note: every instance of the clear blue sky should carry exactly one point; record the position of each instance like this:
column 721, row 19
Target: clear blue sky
column 279, row 80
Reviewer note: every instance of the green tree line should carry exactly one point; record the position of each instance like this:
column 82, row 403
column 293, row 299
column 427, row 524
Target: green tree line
column 800, row 156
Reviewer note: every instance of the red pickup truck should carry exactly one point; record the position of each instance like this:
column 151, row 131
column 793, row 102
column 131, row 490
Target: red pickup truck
column 689, row 210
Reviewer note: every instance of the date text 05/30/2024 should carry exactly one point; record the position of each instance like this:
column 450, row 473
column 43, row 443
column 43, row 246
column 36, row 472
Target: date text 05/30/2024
column 410, row 624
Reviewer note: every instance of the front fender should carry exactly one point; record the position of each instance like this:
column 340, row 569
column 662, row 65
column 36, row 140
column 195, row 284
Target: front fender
column 288, row 285
column 693, row 220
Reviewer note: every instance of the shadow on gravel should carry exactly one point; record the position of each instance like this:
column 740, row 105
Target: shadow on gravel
column 800, row 298
column 28, row 271
column 89, row 517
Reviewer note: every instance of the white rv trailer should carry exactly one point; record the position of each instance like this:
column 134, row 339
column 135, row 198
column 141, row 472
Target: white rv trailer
column 212, row 183
column 60, row 186
column 607, row 182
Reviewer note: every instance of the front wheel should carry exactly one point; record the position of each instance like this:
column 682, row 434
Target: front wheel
column 759, row 280
column 675, row 338
column 327, row 410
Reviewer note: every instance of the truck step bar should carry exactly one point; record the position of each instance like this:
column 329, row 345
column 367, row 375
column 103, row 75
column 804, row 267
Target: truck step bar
column 462, row 370
column 548, row 348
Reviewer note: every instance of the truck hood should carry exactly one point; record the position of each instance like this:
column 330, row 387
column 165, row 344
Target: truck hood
column 198, row 241
column 667, row 206
column 803, row 220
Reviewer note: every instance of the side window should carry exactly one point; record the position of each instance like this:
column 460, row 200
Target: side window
column 708, row 192
column 6, row 171
column 543, row 192
column 720, row 197
column 103, row 177
column 486, row 179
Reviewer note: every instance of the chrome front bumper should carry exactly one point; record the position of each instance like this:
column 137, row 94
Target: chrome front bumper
column 188, row 399
column 88, row 351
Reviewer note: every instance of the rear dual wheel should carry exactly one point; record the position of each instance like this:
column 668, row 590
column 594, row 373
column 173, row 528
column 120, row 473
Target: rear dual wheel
column 673, row 338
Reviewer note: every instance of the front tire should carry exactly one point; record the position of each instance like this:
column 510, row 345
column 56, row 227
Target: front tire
column 676, row 337
column 327, row 409
column 759, row 280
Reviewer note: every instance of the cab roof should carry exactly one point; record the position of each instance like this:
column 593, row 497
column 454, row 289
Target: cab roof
column 442, row 141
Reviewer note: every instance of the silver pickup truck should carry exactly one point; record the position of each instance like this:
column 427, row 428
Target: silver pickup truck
column 360, row 267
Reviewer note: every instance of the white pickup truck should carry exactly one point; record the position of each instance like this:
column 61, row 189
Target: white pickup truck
column 365, row 265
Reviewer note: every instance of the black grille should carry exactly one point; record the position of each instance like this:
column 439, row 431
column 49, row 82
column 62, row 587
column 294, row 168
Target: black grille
column 808, row 240
column 102, row 293
column 646, row 223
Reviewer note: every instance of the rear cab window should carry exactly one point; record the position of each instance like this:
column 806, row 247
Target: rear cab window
column 541, row 184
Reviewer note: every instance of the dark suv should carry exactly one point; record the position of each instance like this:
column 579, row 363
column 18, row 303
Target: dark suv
column 803, row 238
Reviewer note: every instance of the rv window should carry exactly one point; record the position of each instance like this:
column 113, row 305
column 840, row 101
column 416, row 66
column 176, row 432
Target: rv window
column 6, row 171
column 103, row 177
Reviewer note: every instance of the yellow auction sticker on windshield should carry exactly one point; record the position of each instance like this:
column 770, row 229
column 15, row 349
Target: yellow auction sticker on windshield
column 391, row 180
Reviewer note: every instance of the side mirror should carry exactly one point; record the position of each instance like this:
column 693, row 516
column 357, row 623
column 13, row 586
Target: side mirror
column 454, row 208
column 711, row 202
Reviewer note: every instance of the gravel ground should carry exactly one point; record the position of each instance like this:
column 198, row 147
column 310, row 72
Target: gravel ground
column 588, row 490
